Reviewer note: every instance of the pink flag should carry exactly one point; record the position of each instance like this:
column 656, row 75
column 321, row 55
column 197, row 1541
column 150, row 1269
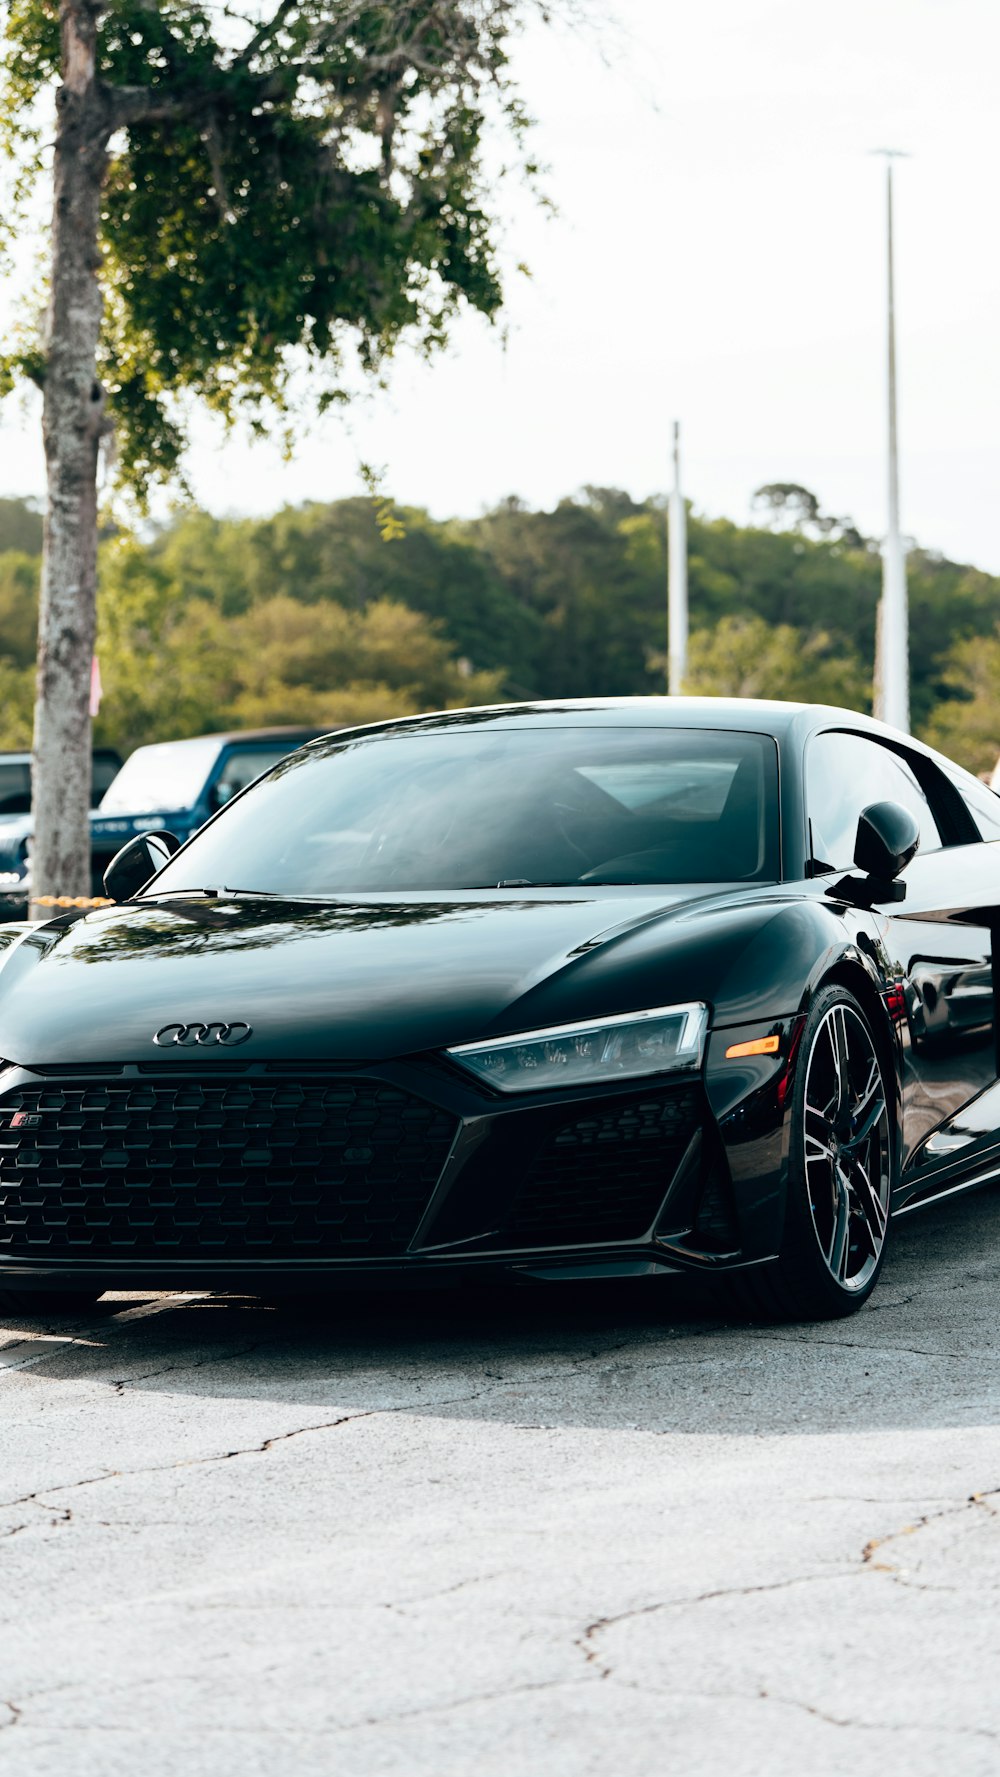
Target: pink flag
column 96, row 688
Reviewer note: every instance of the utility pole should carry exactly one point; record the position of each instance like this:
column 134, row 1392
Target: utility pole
column 892, row 662
column 677, row 584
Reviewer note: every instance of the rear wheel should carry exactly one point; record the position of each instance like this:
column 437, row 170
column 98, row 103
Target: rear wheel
column 840, row 1172
column 38, row 1302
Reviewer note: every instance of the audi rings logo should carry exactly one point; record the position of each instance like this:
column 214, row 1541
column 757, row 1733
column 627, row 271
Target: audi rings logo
column 201, row 1036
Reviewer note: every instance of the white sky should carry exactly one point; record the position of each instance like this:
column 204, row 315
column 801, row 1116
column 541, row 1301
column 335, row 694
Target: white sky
column 718, row 257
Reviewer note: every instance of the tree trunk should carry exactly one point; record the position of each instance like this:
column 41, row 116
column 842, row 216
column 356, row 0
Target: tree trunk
column 73, row 422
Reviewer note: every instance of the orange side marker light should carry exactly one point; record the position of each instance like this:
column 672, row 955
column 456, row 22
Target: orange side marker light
column 759, row 1046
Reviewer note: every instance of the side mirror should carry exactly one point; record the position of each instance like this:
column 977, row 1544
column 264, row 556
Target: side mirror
column 131, row 868
column 888, row 836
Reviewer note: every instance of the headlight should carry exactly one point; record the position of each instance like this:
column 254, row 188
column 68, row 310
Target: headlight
column 668, row 1040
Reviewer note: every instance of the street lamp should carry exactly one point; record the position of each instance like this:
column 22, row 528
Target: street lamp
column 677, row 590
column 892, row 665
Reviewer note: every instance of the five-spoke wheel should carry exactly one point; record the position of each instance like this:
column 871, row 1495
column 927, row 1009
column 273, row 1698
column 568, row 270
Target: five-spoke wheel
column 841, row 1167
column 847, row 1148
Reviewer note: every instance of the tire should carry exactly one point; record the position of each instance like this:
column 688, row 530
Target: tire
column 841, row 1172
column 39, row 1302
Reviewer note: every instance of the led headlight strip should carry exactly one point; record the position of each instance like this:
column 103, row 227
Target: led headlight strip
column 666, row 1040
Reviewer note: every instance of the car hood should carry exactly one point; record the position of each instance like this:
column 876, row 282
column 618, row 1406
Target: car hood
column 333, row 980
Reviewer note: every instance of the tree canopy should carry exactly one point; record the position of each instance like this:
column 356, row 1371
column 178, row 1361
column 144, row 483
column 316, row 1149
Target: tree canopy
column 278, row 187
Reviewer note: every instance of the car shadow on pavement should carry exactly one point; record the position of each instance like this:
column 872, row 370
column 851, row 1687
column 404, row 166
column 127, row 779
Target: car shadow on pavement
column 658, row 1354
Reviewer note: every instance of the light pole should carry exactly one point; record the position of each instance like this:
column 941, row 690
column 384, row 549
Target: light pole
column 892, row 663
column 677, row 589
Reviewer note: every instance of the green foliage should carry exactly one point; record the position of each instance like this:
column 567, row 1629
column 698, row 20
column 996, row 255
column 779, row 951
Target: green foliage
column 17, row 704
column 175, row 661
column 18, row 607
column 274, row 194
column 748, row 657
column 966, row 723
column 20, row 542
column 596, row 594
column 317, row 552
column 20, row 527
column 248, row 616
column 311, row 616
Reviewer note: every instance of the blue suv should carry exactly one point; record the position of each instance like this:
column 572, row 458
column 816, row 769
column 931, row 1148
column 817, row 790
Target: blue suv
column 175, row 784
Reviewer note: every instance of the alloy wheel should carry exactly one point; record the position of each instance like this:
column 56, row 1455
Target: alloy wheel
column 848, row 1152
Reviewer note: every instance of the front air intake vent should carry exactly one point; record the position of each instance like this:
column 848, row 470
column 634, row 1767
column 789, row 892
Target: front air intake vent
column 603, row 1176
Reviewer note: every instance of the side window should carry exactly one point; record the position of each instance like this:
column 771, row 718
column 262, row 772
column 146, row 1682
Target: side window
column 105, row 770
column 15, row 787
column 240, row 769
column 982, row 803
column 844, row 773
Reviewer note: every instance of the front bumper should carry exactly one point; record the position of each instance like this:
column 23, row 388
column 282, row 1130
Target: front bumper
column 222, row 1175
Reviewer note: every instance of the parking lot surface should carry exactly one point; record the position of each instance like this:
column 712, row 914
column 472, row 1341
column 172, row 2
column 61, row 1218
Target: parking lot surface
column 572, row 1530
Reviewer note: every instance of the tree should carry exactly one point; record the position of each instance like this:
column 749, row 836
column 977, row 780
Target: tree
column 20, row 526
column 232, row 198
column 966, row 722
column 746, row 657
column 316, row 552
column 180, row 665
column 788, row 505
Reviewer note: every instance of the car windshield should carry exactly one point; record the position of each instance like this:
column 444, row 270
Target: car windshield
column 471, row 807
column 162, row 777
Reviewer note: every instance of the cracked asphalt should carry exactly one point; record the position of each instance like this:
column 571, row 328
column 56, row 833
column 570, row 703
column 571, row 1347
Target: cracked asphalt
column 573, row 1530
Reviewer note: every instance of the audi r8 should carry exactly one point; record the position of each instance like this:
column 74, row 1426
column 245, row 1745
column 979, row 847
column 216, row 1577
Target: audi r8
column 571, row 990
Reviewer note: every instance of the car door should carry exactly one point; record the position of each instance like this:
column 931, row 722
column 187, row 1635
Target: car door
column 944, row 969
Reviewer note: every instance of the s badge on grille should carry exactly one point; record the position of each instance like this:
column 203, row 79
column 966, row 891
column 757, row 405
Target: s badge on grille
column 191, row 1036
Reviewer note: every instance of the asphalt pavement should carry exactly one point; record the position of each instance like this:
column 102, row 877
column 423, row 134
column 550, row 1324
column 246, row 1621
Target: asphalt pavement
column 605, row 1530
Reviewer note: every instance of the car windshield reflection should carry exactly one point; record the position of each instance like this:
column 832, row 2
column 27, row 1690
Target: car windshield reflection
column 467, row 808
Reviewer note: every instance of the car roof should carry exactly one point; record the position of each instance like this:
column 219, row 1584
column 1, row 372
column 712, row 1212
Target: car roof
column 754, row 714
column 294, row 737
column 256, row 734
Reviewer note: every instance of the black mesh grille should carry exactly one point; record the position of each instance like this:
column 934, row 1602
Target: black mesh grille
column 604, row 1176
column 249, row 1168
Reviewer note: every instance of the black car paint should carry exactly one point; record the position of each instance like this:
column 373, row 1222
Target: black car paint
column 383, row 985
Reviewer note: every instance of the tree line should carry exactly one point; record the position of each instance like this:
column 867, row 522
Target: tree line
column 317, row 615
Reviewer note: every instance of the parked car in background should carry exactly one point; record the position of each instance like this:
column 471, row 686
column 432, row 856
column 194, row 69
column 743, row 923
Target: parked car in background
column 15, row 819
column 180, row 783
column 174, row 783
column 15, row 779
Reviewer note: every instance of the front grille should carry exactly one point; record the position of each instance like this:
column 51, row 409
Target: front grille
column 604, row 1176
column 232, row 1167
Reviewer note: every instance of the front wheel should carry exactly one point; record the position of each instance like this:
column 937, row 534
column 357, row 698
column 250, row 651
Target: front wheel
column 840, row 1171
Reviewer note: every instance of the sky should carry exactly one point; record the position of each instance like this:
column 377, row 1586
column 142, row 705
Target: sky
column 718, row 257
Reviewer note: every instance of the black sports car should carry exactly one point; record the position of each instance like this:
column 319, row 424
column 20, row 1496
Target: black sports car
column 574, row 990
